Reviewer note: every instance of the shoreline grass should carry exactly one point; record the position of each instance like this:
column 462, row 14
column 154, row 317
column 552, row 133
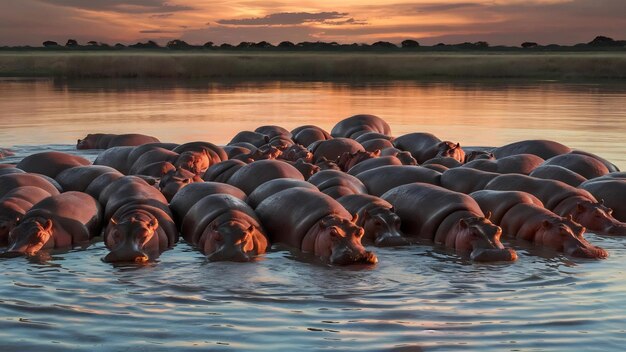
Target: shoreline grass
column 315, row 65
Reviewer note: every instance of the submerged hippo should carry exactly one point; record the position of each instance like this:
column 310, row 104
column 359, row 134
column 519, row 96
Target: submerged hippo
column 522, row 215
column 309, row 134
column 50, row 163
column 425, row 146
column 78, row 178
column 466, row 180
column 332, row 149
column 315, row 223
column 106, row 141
column 62, row 221
column 542, row 148
column 253, row 175
column 611, row 192
column 381, row 179
column 559, row 173
column 337, row 184
column 514, row 164
column 449, row 218
column 272, row 187
column 15, row 204
column 190, row 195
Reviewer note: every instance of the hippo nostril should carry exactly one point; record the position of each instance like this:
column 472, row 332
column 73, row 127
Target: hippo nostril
column 141, row 259
column 391, row 241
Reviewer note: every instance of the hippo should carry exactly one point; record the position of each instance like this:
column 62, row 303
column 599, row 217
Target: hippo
column 11, row 181
column 272, row 131
column 611, row 192
column 223, row 171
column 140, row 224
column 325, row 164
column 297, row 152
column 195, row 161
column 61, row 221
column 138, row 151
column 369, row 136
column 50, row 163
column 233, row 150
column 514, row 164
column 308, row 134
column 382, row 179
column 249, row 177
column 214, row 153
column 224, row 227
column 14, row 204
column 157, row 170
column 78, row 178
column 155, row 155
column 425, row 146
column 306, row 169
column 315, row 223
column 376, row 217
column 265, row 152
column 347, row 160
column 116, row 157
column 542, row 148
column 466, row 180
column 449, row 218
column 609, row 165
column 10, row 170
column 101, row 182
column 246, row 145
column 106, row 141
column 357, row 125
column 436, row 167
column 446, row 161
column 4, row 152
column 563, row 200
column 190, row 195
column 376, row 144
column 254, row 138
column 555, row 172
column 522, row 215
column 584, row 165
column 337, row 184
column 405, row 157
column 478, row 155
column 175, row 180
column 332, row 149
column 272, row 187
column 281, row 142
column 374, row 163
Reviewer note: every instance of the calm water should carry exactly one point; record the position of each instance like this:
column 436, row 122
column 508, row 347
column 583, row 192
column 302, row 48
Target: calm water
column 415, row 298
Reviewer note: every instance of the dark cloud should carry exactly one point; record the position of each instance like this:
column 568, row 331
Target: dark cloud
column 434, row 7
column 162, row 15
column 157, row 31
column 122, row 6
column 285, row 18
column 235, row 35
column 350, row 20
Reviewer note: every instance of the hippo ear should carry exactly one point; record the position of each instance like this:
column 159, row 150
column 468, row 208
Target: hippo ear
column 113, row 221
column 392, row 209
column 355, row 218
column 463, row 223
column 376, row 153
column 458, row 145
column 609, row 211
column 186, row 181
column 546, row 224
column 324, row 223
column 334, row 232
column 601, row 201
column 250, row 229
column 488, row 216
column 153, row 224
column 579, row 207
column 48, row 225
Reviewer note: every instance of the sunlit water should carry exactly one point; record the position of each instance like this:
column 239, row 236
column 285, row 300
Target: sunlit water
column 416, row 297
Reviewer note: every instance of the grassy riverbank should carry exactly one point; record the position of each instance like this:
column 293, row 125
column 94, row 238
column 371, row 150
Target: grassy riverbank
column 315, row 65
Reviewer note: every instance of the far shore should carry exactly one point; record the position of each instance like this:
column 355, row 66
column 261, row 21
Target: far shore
column 315, row 65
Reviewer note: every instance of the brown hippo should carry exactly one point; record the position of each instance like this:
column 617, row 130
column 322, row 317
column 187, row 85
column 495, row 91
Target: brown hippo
column 175, row 180
column 514, row 164
column 106, row 141
column 449, row 218
column 195, row 161
column 190, row 195
column 252, row 175
column 264, row 152
column 337, row 183
column 376, row 144
column 347, row 160
column 609, row 165
column 425, row 146
column 306, row 169
column 233, row 150
column 369, row 136
column 11, row 181
column 254, row 138
column 295, row 153
column 157, row 170
column 140, row 226
column 563, row 200
column 381, row 179
column 542, row 148
column 61, row 221
column 308, row 134
column 478, row 155
column 376, row 217
column 332, row 149
column 10, row 170
column 281, row 142
column 555, row 172
column 522, row 215
column 215, row 153
column 4, row 152
column 611, row 191
column 466, row 180
column 583, row 165
column 273, row 131
column 101, row 182
column 437, row 167
column 222, row 171
column 14, row 204
column 446, row 161
column 325, row 164
column 405, row 157
column 50, row 163
column 357, row 125
column 155, row 155
column 272, row 187
column 139, row 151
column 116, row 157
column 78, row 178
column 374, row 163
column 224, row 227
column 315, row 223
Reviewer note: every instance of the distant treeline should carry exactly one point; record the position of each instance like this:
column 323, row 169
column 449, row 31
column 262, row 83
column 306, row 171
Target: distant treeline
column 598, row 43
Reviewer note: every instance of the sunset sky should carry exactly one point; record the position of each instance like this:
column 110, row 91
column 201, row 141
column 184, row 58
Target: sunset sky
column 198, row 21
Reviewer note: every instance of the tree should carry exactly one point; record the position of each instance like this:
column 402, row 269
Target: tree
column 208, row 45
column 603, row 41
column 50, row 43
column 226, row 46
column 71, row 43
column 262, row 45
column 409, row 43
column 286, row 45
column 92, row 43
column 177, row 44
column 385, row 45
column 526, row 45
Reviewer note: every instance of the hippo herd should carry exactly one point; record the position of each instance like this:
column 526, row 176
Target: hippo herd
column 317, row 192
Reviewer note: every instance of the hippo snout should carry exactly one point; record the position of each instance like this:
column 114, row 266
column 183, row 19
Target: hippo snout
column 11, row 254
column 589, row 252
column 494, row 255
column 390, row 240
column 235, row 255
column 617, row 230
column 126, row 256
column 352, row 257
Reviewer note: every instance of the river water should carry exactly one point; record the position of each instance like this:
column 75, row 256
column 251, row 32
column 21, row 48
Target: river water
column 416, row 298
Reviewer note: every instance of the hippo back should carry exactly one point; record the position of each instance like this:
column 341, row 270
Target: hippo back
column 50, row 163
column 500, row 202
column 466, row 180
column 556, row 172
column 356, row 125
column 374, row 163
column 223, row 171
column 11, row 181
column 191, row 194
column 584, row 165
column 249, row 177
column 357, row 203
column 611, row 191
column 78, row 178
column 101, row 182
column 336, row 183
column 116, row 157
column 381, row 179
column 332, row 149
column 272, row 187
column 544, row 149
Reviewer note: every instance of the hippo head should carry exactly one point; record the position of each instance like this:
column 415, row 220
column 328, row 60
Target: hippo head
column 598, row 218
column 174, row 181
column 554, row 233
column 406, row 158
column 325, row 164
column 266, row 152
column 479, row 155
column 297, row 152
column 7, row 223
column 382, row 226
column 339, row 240
column 280, row 142
column 451, row 150
column 233, row 241
column 128, row 240
column 30, row 237
column 348, row 160
column 85, row 143
column 196, row 162
column 482, row 238
column 306, row 169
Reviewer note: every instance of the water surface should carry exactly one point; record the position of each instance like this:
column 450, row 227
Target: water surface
column 417, row 297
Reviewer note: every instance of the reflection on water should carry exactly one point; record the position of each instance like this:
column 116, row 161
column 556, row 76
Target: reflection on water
column 586, row 116
column 417, row 297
